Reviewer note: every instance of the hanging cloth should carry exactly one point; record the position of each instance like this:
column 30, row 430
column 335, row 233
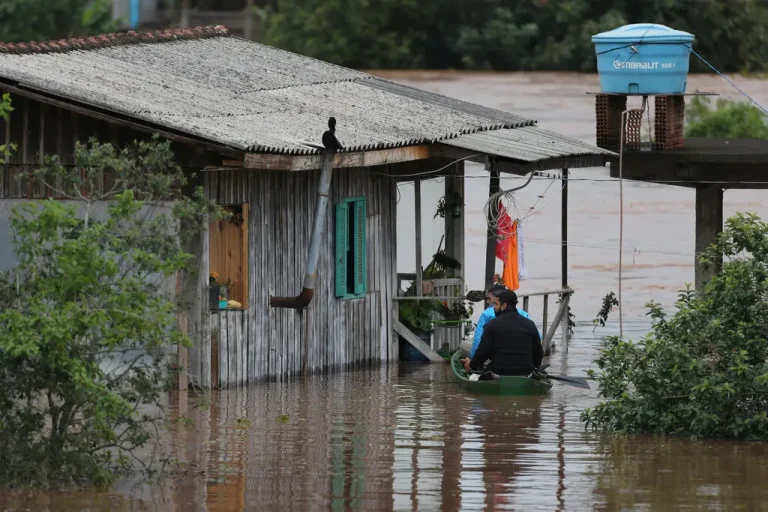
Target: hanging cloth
column 523, row 270
column 511, row 275
column 506, row 248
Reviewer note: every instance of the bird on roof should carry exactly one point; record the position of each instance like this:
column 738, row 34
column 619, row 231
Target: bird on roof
column 329, row 137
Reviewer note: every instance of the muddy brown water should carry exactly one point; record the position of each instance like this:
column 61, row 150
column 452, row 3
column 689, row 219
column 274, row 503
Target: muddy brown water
column 405, row 437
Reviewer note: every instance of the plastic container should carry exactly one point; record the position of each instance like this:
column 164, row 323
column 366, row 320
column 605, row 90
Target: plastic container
column 223, row 304
column 643, row 58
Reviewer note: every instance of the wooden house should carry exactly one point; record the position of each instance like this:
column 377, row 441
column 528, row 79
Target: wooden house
column 247, row 121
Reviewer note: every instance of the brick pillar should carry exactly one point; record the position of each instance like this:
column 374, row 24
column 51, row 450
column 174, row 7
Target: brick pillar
column 608, row 109
column 670, row 115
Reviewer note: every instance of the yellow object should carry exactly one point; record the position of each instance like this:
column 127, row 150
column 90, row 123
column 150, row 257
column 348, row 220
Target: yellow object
column 234, row 304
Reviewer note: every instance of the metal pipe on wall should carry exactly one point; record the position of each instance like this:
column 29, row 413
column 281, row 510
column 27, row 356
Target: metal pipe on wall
column 303, row 299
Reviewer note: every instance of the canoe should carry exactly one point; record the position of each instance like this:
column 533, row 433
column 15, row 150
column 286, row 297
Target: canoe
column 505, row 385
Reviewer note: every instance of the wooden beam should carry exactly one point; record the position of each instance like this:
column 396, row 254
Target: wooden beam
column 709, row 223
column 564, row 230
column 454, row 227
column 571, row 162
column 490, row 247
column 341, row 160
column 561, row 312
column 671, row 169
column 419, row 345
column 417, row 209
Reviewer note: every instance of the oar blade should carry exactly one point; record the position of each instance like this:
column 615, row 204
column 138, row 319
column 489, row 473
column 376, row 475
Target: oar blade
column 578, row 382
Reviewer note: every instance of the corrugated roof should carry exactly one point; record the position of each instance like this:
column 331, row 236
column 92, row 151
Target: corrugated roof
column 254, row 97
column 526, row 144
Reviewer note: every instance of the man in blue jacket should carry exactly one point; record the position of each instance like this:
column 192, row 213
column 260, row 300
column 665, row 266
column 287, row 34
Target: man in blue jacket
column 489, row 314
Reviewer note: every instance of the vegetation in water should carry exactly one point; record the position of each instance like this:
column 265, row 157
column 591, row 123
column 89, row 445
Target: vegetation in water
column 511, row 35
column 726, row 118
column 609, row 301
column 702, row 372
column 42, row 20
column 88, row 321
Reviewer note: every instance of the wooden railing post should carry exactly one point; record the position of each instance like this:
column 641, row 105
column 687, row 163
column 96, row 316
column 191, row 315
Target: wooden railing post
column 564, row 304
column 546, row 308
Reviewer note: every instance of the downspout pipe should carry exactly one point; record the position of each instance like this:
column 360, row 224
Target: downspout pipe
column 302, row 300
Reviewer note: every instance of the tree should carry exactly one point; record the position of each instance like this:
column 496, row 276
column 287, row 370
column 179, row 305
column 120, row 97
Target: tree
column 507, row 35
column 87, row 323
column 702, row 372
column 42, row 20
column 734, row 119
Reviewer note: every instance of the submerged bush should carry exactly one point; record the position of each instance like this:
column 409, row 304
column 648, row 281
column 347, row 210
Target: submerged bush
column 702, row 372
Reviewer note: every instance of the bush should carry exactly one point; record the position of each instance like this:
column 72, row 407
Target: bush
column 86, row 323
column 701, row 373
column 734, row 119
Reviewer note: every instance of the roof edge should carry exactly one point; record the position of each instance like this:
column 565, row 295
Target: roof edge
column 115, row 39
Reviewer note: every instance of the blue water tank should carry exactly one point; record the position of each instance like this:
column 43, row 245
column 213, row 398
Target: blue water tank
column 643, row 58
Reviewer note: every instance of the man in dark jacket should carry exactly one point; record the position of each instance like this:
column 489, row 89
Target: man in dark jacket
column 510, row 341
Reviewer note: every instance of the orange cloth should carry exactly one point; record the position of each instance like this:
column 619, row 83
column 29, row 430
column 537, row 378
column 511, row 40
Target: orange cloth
column 506, row 249
column 511, row 275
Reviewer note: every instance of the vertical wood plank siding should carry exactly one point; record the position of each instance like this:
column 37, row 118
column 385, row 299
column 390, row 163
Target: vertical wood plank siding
column 264, row 343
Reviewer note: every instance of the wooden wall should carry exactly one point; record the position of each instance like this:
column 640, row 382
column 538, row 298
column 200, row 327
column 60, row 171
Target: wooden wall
column 342, row 333
column 40, row 129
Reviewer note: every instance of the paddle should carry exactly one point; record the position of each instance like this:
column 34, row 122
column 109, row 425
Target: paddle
column 571, row 381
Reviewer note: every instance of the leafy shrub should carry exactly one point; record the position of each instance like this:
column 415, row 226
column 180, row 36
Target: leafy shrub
column 702, row 372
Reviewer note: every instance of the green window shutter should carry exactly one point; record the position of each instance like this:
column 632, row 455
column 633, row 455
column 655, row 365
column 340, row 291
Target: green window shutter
column 342, row 232
column 361, row 272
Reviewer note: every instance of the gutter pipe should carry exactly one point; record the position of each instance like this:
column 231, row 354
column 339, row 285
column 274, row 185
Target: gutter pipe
column 303, row 299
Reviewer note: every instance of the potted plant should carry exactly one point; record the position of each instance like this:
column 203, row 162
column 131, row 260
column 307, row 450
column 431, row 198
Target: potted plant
column 217, row 292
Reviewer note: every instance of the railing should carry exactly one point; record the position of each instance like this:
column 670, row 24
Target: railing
column 448, row 334
column 548, row 330
column 561, row 317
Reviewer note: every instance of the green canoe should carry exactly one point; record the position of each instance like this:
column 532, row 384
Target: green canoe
column 510, row 386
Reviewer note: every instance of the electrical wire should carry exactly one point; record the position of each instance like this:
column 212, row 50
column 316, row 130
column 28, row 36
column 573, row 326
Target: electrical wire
column 713, row 68
column 425, row 173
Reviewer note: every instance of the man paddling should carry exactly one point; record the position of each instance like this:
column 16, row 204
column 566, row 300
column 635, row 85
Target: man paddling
column 510, row 341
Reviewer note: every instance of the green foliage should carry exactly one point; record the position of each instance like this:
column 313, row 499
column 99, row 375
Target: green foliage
column 735, row 119
column 87, row 320
column 507, row 35
column 42, row 20
column 5, row 111
column 702, row 372
column 609, row 301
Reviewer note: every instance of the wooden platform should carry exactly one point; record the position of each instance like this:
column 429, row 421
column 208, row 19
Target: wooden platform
column 734, row 163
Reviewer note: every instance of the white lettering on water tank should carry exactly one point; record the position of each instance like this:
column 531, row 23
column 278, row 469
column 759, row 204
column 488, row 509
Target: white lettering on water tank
column 618, row 64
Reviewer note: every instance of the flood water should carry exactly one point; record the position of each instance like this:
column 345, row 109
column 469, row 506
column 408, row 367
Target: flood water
column 406, row 437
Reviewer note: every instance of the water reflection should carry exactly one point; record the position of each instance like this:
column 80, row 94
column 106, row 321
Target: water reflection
column 675, row 474
column 408, row 438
